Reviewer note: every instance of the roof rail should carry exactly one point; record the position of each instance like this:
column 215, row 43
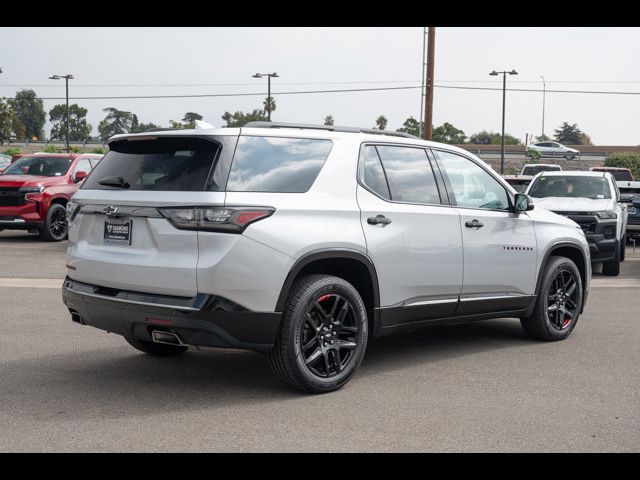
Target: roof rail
column 331, row 128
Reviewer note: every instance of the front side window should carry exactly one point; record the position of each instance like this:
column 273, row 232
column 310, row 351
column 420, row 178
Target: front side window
column 471, row 185
column 41, row 166
column 409, row 174
column 275, row 164
column 161, row 164
column 83, row 165
column 570, row 186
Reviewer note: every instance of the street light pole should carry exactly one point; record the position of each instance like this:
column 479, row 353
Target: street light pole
column 504, row 99
column 544, row 93
column 66, row 81
column 268, row 75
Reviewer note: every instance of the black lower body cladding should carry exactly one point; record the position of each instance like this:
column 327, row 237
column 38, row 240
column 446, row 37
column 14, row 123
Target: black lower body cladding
column 204, row 320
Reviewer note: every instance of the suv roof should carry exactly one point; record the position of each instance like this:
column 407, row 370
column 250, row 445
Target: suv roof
column 573, row 173
column 276, row 129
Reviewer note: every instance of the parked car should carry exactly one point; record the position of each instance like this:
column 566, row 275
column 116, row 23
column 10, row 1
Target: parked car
column 518, row 182
column 533, row 169
column 633, row 210
column 307, row 241
column 593, row 201
column 5, row 161
column 619, row 174
column 34, row 192
column 551, row 149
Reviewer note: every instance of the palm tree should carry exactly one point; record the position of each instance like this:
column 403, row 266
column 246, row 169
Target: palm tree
column 381, row 122
column 269, row 104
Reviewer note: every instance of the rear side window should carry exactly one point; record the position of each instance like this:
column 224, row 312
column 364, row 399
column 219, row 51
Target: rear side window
column 409, row 174
column 274, row 164
column 161, row 164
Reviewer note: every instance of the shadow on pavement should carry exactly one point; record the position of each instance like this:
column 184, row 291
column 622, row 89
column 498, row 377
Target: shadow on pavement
column 121, row 382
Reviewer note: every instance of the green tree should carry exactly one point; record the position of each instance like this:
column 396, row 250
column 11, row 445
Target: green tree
column 269, row 104
column 79, row 128
column 447, row 133
column 7, row 120
column 381, row 122
column 630, row 160
column 116, row 122
column 239, row 119
column 328, row 120
column 492, row 138
column 30, row 112
column 411, row 126
column 570, row 134
column 143, row 127
column 585, row 139
column 189, row 119
column 542, row 138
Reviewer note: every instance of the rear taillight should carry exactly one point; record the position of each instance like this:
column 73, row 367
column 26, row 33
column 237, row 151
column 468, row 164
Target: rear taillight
column 215, row 219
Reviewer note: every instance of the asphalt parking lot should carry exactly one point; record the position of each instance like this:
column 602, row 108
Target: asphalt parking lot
column 476, row 387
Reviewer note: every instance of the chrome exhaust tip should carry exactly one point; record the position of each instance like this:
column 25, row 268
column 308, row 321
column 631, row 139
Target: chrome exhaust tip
column 168, row 338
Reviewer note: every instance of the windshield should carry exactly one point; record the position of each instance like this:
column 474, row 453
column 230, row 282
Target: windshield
column 570, row 186
column 41, row 166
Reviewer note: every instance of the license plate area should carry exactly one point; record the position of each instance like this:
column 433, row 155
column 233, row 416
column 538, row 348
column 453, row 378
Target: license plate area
column 117, row 232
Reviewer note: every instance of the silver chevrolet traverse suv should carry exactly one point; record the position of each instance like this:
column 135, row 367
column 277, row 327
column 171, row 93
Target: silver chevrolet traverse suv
column 306, row 241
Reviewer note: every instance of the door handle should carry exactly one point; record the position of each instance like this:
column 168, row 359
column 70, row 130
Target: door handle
column 473, row 224
column 378, row 220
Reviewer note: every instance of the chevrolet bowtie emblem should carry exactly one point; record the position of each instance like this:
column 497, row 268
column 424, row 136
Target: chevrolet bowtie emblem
column 110, row 211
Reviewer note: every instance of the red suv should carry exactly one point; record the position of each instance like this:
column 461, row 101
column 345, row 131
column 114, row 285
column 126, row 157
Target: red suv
column 35, row 189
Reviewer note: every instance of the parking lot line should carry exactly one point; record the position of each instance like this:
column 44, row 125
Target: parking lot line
column 30, row 282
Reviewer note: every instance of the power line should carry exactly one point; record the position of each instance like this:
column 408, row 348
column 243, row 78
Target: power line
column 363, row 82
column 343, row 90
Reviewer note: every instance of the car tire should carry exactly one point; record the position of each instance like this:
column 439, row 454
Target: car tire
column 558, row 303
column 55, row 227
column 623, row 248
column 612, row 268
column 320, row 310
column 570, row 157
column 158, row 349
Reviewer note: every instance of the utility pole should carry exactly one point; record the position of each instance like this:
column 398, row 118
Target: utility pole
column 428, row 102
column 268, row 75
column 544, row 93
column 504, row 96
column 66, row 79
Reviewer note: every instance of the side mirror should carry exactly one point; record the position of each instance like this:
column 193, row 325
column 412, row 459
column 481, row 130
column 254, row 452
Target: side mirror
column 79, row 176
column 523, row 203
column 626, row 197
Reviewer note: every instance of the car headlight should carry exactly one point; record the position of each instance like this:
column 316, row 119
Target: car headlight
column 36, row 189
column 607, row 215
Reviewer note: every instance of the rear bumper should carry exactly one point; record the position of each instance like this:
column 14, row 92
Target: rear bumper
column 203, row 320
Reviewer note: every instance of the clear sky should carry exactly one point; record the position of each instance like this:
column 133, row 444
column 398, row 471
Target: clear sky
column 603, row 59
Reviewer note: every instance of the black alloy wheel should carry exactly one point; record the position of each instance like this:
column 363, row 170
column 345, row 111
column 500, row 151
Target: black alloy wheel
column 558, row 303
column 55, row 228
column 329, row 336
column 323, row 334
column 562, row 301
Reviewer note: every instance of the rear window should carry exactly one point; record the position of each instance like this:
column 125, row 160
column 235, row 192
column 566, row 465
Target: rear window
column 534, row 169
column 161, row 164
column 622, row 175
column 274, row 164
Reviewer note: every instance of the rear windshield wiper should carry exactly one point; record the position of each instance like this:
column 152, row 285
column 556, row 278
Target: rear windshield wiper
column 114, row 182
